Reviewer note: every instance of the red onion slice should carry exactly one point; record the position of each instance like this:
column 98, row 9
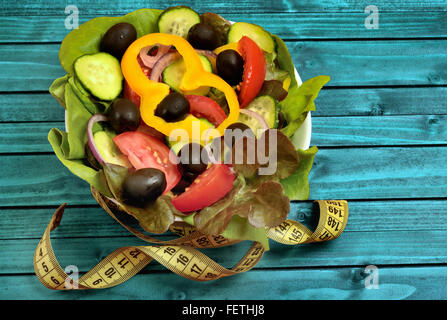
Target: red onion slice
column 170, row 57
column 91, row 141
column 162, row 63
column 148, row 60
column 256, row 116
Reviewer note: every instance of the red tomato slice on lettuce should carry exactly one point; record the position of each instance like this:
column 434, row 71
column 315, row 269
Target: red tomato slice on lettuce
column 254, row 70
column 204, row 107
column 207, row 188
column 144, row 151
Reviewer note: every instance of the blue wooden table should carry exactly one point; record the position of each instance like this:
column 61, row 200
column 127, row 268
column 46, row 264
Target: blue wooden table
column 380, row 126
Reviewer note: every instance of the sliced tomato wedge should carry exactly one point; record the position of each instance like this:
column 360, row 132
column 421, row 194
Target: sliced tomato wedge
column 145, row 151
column 207, row 188
column 131, row 95
column 254, row 70
column 204, row 107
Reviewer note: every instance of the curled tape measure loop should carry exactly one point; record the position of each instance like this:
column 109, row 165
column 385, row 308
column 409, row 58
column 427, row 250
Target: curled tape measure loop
column 179, row 255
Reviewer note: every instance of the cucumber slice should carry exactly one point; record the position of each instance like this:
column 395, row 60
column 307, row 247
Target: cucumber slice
column 178, row 20
column 173, row 75
column 252, row 123
column 177, row 145
column 100, row 74
column 108, row 149
column 262, row 38
column 267, row 107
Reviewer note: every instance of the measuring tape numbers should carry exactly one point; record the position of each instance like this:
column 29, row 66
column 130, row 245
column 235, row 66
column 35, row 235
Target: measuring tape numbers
column 180, row 255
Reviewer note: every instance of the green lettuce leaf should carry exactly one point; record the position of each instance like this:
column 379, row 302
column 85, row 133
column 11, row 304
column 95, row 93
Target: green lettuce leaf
column 57, row 89
column 296, row 186
column 240, row 229
column 59, row 141
column 86, row 39
column 156, row 218
column 285, row 61
column 273, row 72
column 299, row 101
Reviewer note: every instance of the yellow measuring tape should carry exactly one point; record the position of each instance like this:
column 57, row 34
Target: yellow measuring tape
column 179, row 255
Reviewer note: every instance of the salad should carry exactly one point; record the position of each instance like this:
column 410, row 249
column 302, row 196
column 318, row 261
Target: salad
column 159, row 105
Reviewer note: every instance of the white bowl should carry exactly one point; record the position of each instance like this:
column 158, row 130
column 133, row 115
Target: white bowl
column 301, row 138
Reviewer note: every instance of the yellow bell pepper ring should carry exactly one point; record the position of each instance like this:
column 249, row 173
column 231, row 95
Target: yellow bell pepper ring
column 153, row 92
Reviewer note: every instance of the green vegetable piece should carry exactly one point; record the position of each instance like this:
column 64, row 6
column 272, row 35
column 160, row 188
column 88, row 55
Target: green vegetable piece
column 173, row 75
column 86, row 39
column 262, row 38
column 59, row 141
column 178, row 20
column 299, row 101
column 100, row 74
column 266, row 106
column 296, row 186
column 108, row 150
column 272, row 70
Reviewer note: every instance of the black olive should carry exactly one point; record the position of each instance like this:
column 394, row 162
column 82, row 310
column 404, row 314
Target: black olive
column 181, row 186
column 236, row 131
column 124, row 115
column 143, row 186
column 193, row 158
column 189, row 176
column 117, row 39
column 230, row 66
column 174, row 107
column 203, row 36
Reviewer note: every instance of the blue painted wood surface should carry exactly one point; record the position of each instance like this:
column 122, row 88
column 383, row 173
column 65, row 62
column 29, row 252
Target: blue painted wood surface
column 380, row 126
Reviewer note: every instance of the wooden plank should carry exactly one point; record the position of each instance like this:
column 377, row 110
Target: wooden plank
column 29, row 68
column 335, row 283
column 382, row 130
column 407, row 62
column 26, row 137
column 327, row 25
column 29, row 176
column 412, row 62
column 20, row 107
column 55, row 7
column 346, row 173
column 326, row 131
column 403, row 232
column 42, row 107
column 365, row 216
column 352, row 248
column 382, row 101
